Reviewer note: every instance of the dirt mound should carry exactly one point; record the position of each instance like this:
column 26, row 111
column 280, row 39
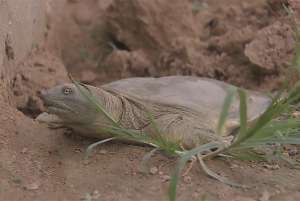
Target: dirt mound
column 156, row 38
column 175, row 40
column 272, row 47
column 39, row 71
column 243, row 42
column 151, row 26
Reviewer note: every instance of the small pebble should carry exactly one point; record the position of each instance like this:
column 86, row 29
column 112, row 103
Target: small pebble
column 103, row 151
column 153, row 170
column 77, row 150
column 32, row 186
column 86, row 162
column 165, row 178
column 271, row 167
column 296, row 114
column 24, row 150
column 187, row 179
column 293, row 151
column 233, row 166
column 95, row 194
column 280, row 189
column 195, row 195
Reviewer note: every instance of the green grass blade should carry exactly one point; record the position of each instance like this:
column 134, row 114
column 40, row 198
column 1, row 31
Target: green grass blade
column 231, row 91
column 247, row 154
column 92, row 146
column 159, row 139
column 89, row 96
column 153, row 123
column 218, row 177
column 274, row 110
column 293, row 163
column 243, row 113
column 272, row 140
column 276, row 126
column 144, row 164
column 294, row 94
column 183, row 160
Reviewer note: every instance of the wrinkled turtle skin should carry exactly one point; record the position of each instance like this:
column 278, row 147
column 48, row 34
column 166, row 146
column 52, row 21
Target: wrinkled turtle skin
column 185, row 109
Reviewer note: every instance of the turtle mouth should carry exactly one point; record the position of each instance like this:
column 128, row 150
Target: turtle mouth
column 56, row 110
column 54, row 107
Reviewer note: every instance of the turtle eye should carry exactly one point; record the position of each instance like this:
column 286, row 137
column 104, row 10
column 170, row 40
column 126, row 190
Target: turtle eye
column 67, row 90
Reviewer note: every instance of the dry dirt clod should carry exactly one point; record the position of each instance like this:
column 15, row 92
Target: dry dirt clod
column 32, row 186
column 272, row 47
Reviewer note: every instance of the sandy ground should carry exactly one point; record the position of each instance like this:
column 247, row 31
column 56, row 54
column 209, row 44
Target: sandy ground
column 247, row 43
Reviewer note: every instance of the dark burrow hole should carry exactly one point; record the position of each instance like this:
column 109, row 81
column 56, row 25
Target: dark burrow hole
column 30, row 112
column 117, row 44
column 8, row 49
column 31, row 109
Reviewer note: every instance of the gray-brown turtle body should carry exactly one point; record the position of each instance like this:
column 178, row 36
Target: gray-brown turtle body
column 184, row 108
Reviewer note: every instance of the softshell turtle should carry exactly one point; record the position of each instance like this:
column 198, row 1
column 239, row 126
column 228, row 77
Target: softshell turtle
column 185, row 109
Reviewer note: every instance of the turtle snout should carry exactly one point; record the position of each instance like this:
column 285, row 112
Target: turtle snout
column 42, row 94
column 45, row 96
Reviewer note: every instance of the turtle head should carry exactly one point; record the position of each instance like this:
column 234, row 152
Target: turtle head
column 69, row 103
